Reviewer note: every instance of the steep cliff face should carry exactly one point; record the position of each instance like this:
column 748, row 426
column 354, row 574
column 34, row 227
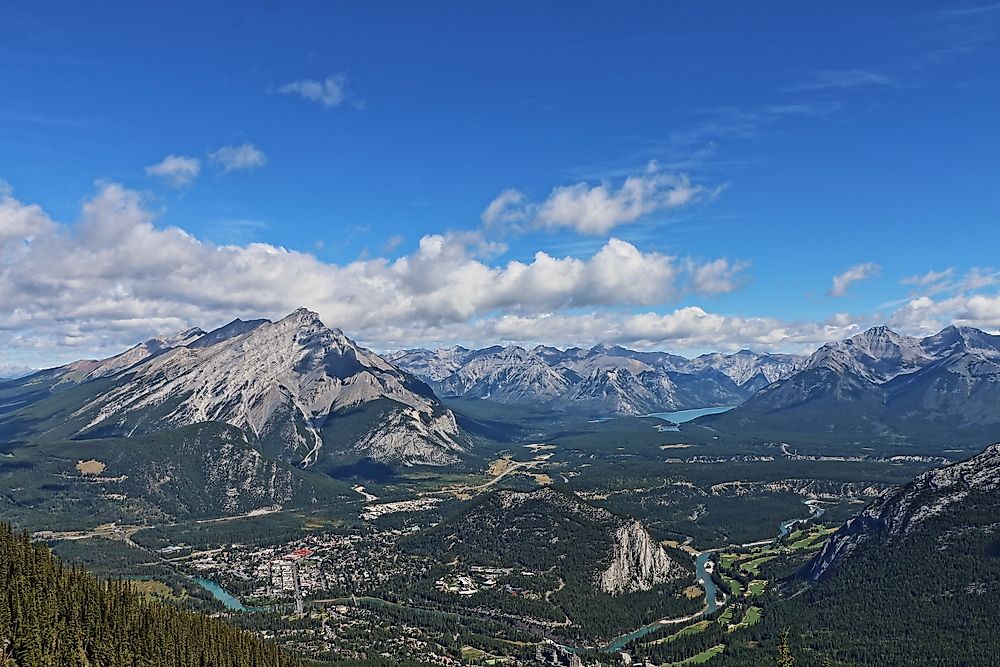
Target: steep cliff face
column 638, row 563
column 411, row 437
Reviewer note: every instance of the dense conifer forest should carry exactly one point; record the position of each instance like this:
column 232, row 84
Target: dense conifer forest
column 56, row 615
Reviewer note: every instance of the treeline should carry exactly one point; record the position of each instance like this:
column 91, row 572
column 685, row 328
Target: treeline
column 56, row 615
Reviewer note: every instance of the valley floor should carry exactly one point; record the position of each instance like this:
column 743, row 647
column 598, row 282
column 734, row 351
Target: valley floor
column 733, row 510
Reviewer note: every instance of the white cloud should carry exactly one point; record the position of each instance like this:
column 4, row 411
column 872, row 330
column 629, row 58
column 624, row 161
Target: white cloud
column 115, row 277
column 981, row 309
column 329, row 92
column 239, row 158
column 852, row 275
column 392, row 243
column 928, row 278
column 969, row 306
column 841, row 80
column 504, row 208
column 717, row 277
column 176, row 170
column 20, row 223
column 690, row 328
column 595, row 209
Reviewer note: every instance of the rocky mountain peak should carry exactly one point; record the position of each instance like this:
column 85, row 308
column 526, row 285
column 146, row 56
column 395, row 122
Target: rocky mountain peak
column 284, row 381
column 956, row 340
column 304, row 320
column 878, row 354
column 604, row 378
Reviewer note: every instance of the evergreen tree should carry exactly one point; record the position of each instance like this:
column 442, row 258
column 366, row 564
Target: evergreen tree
column 785, row 657
column 53, row 615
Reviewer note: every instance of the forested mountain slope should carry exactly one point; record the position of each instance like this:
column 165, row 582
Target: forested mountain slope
column 912, row 580
column 53, row 615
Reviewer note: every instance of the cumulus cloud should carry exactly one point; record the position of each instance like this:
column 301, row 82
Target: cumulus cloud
column 858, row 272
column 981, row 309
column 718, row 276
column 238, row 158
column 595, row 209
column 688, row 328
column 505, row 207
column 945, row 298
column 115, row 276
column 176, row 170
column 20, row 223
column 330, row 92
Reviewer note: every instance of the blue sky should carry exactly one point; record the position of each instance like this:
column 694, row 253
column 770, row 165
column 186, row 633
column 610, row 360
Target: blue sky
column 795, row 142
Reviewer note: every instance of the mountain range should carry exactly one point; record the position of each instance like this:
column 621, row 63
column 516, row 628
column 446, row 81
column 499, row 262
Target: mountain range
column 941, row 389
column 286, row 400
column 603, row 379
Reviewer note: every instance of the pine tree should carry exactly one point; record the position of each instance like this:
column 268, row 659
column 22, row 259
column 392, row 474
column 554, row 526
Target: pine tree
column 785, row 657
column 53, row 615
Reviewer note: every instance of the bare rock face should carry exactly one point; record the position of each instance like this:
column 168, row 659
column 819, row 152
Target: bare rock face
column 878, row 355
column 554, row 530
column 412, row 438
column 638, row 563
column 284, row 380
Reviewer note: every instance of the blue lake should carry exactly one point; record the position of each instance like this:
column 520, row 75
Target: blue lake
column 681, row 416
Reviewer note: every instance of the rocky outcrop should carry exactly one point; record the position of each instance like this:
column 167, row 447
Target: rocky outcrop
column 638, row 562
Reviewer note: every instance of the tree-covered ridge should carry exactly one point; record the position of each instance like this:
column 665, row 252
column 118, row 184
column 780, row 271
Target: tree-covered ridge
column 55, row 615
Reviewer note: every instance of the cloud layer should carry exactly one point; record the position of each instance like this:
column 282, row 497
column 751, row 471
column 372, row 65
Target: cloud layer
column 114, row 277
column 176, row 170
column 239, row 158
